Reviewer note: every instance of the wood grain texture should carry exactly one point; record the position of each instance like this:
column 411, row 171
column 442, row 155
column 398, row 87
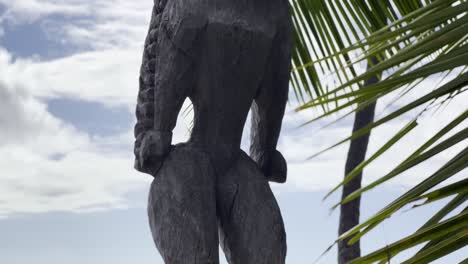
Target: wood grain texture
column 226, row 57
column 188, row 204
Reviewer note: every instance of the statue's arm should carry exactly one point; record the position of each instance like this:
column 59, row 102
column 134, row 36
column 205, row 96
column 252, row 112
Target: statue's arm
column 145, row 101
column 268, row 109
column 164, row 81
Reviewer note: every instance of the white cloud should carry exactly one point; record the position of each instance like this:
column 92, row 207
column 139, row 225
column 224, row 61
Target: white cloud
column 110, row 31
column 47, row 164
column 28, row 11
column 80, row 181
column 25, row 121
column 109, row 77
column 98, row 24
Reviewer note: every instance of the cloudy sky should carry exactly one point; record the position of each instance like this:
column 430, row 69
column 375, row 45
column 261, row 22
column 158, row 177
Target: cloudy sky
column 68, row 193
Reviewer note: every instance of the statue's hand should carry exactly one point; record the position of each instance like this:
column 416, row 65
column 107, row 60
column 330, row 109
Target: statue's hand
column 273, row 165
column 153, row 149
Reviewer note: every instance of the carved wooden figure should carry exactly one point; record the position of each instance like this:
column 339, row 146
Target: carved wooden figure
column 227, row 56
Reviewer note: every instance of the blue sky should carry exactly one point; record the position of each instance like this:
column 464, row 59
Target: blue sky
column 68, row 193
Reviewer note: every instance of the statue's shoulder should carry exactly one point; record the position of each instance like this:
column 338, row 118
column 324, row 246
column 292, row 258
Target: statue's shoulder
column 185, row 16
column 184, row 12
column 182, row 23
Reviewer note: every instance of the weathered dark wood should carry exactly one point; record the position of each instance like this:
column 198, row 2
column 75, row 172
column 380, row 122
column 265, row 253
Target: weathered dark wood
column 182, row 208
column 226, row 56
column 188, row 203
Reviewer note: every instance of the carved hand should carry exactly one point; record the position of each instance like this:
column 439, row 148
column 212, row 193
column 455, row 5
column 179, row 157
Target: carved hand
column 273, row 165
column 154, row 148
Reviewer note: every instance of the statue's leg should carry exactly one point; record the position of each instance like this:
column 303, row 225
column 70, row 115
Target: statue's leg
column 182, row 208
column 250, row 224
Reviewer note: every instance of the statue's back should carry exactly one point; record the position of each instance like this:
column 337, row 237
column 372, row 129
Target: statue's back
column 227, row 56
column 231, row 44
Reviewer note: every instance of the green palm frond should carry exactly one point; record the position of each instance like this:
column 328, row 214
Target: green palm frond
column 412, row 40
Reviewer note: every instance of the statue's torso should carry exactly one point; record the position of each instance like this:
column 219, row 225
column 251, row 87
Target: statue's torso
column 230, row 51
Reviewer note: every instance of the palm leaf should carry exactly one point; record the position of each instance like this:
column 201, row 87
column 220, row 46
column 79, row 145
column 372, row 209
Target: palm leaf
column 413, row 40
